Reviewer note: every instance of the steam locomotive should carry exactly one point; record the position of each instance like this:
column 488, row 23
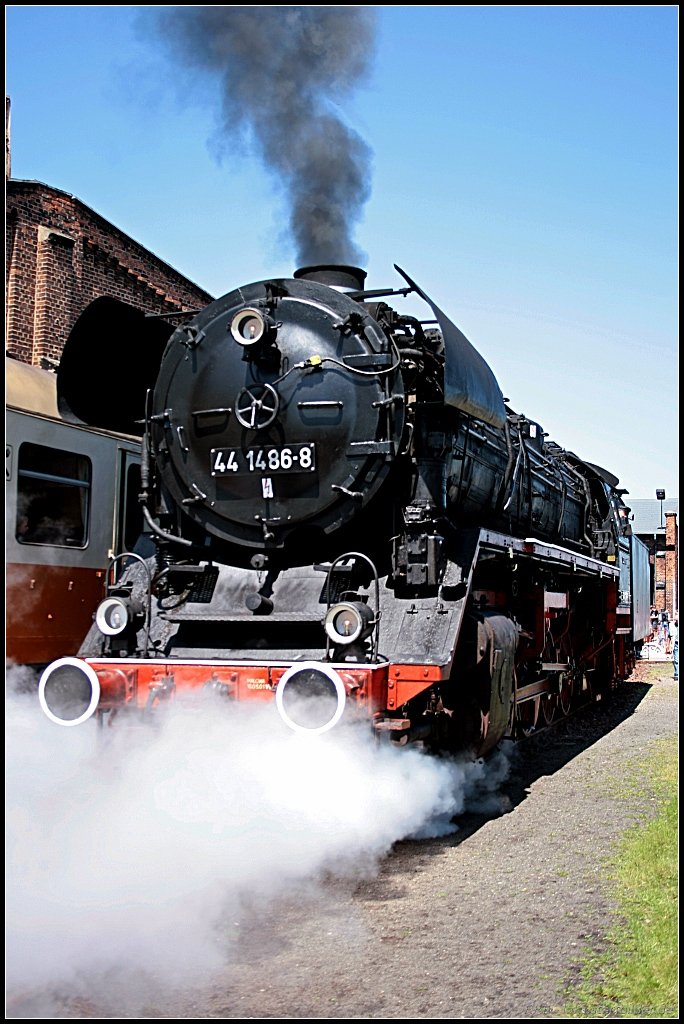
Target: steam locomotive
column 350, row 522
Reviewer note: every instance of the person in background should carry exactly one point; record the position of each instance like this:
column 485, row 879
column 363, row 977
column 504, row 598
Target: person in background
column 675, row 647
column 664, row 625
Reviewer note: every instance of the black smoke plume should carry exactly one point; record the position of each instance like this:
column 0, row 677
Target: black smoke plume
column 282, row 72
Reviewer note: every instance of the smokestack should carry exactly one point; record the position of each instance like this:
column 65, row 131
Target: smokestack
column 343, row 278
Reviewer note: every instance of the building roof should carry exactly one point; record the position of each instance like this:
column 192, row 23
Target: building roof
column 646, row 513
column 30, row 388
column 19, row 184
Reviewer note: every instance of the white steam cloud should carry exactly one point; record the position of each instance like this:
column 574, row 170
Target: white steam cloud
column 137, row 847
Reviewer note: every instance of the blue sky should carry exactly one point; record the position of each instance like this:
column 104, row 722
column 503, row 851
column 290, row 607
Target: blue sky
column 524, row 173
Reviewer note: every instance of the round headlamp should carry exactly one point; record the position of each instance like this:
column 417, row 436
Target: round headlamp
column 113, row 615
column 349, row 621
column 249, row 326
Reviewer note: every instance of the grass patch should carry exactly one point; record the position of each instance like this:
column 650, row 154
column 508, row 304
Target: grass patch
column 637, row 976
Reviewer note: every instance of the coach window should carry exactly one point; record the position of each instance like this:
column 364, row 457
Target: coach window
column 131, row 522
column 53, row 496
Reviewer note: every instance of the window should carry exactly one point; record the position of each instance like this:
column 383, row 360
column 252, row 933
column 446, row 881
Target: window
column 131, row 523
column 53, row 496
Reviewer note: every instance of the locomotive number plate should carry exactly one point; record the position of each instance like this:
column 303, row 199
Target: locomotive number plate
column 267, row 460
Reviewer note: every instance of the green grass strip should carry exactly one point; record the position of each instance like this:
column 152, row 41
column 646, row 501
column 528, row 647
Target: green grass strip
column 637, row 975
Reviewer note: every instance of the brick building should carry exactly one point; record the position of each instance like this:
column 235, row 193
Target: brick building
column 61, row 256
column 655, row 523
column 666, row 568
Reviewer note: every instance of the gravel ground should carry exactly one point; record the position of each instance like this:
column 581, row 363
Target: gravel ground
column 487, row 922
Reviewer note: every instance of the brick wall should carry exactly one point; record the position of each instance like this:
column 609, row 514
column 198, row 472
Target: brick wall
column 667, row 569
column 60, row 256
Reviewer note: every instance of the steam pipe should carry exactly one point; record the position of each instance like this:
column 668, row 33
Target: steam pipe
column 144, row 495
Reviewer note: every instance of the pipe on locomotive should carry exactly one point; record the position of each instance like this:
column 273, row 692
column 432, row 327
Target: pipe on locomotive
column 341, row 277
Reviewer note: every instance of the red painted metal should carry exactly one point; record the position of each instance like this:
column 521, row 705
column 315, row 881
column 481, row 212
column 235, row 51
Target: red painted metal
column 137, row 682
column 49, row 610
